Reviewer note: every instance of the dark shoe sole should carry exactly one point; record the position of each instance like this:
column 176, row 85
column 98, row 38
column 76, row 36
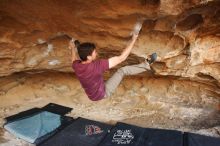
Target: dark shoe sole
column 153, row 58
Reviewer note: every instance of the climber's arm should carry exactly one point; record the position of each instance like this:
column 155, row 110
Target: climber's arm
column 74, row 52
column 113, row 61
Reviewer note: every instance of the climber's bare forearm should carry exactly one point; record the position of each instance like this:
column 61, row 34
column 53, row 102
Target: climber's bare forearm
column 74, row 53
column 114, row 61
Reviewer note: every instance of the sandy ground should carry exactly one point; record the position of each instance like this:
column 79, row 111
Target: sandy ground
column 152, row 102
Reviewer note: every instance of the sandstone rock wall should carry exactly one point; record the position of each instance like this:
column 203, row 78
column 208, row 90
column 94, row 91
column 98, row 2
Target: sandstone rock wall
column 34, row 34
column 182, row 93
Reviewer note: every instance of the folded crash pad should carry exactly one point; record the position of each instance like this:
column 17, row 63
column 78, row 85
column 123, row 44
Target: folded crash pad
column 35, row 126
column 57, row 109
column 22, row 114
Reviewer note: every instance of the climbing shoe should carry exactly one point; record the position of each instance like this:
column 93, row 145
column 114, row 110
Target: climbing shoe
column 152, row 59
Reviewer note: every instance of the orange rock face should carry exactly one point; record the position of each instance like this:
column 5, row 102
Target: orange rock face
column 34, row 38
column 33, row 35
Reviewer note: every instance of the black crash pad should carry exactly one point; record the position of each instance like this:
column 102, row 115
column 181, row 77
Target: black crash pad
column 160, row 137
column 124, row 135
column 191, row 139
column 57, row 109
column 81, row 132
column 22, row 114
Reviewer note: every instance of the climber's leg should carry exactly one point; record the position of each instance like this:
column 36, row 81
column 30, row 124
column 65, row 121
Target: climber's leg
column 112, row 83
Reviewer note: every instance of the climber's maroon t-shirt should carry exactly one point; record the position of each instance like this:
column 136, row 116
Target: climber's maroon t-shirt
column 90, row 77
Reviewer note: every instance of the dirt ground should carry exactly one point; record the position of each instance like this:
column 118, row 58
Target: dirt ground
column 145, row 102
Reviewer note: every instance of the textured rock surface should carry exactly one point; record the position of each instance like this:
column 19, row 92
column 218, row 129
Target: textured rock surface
column 184, row 34
column 181, row 105
column 34, row 35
